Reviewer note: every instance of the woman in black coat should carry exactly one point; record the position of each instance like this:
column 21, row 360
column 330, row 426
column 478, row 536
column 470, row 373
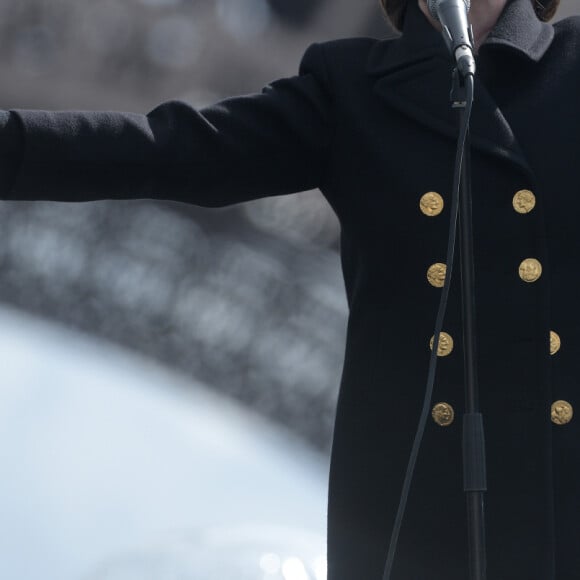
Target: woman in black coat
column 369, row 123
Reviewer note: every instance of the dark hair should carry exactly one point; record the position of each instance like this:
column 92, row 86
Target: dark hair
column 395, row 10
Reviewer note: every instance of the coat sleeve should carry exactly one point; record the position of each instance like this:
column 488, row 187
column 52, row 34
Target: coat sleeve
column 270, row 143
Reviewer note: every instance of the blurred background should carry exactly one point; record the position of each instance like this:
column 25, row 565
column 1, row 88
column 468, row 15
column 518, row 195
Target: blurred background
column 173, row 306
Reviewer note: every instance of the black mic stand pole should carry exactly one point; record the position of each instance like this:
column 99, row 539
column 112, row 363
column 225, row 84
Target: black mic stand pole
column 474, row 466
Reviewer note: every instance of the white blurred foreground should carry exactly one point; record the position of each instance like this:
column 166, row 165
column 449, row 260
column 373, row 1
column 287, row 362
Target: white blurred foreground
column 115, row 469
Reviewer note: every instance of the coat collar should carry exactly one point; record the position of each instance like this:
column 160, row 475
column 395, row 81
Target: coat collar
column 413, row 74
column 519, row 30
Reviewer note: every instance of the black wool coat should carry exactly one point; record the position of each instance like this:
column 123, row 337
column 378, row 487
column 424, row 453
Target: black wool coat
column 369, row 123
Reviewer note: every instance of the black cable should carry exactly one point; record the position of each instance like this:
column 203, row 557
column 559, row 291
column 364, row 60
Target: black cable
column 463, row 129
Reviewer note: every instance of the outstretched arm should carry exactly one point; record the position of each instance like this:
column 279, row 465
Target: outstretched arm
column 270, row 143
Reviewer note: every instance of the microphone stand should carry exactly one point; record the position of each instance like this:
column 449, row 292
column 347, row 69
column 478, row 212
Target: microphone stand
column 474, row 465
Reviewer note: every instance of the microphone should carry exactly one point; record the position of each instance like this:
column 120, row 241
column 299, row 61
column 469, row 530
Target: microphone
column 457, row 32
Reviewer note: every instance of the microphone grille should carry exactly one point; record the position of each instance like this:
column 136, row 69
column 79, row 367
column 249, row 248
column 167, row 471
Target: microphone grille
column 433, row 4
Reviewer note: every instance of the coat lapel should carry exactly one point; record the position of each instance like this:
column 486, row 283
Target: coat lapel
column 413, row 75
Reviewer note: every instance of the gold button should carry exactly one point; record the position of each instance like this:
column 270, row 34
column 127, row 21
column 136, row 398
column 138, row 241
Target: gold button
column 445, row 345
column 530, row 270
column 443, row 414
column 555, row 342
column 431, row 203
column 524, row 201
column 562, row 412
column 436, row 275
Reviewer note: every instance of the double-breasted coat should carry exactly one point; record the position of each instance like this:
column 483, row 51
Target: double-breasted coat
column 369, row 123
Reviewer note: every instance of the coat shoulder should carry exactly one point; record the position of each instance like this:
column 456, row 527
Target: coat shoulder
column 349, row 48
column 567, row 36
column 342, row 59
column 571, row 24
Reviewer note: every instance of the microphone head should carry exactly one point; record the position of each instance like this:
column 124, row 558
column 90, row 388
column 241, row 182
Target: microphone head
column 432, row 5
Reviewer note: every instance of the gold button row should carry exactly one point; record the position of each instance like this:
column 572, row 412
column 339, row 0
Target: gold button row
column 524, row 201
column 445, row 345
column 529, row 270
column 432, row 204
column 561, row 413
